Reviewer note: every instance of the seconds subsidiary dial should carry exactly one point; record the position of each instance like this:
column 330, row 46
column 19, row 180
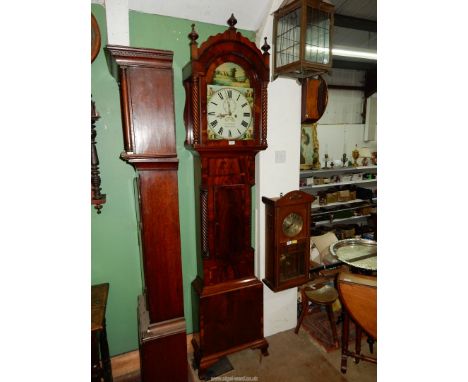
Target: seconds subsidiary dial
column 229, row 114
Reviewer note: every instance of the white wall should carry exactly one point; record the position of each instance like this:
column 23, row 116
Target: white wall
column 116, row 21
column 272, row 178
column 341, row 129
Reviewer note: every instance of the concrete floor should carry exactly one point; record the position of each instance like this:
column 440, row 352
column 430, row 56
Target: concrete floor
column 295, row 357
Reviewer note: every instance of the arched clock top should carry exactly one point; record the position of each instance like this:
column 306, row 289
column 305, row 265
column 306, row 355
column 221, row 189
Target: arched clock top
column 230, row 42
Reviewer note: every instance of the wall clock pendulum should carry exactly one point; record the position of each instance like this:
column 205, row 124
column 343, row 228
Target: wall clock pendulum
column 225, row 115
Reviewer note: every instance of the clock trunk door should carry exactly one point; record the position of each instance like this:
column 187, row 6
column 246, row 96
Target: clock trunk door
column 232, row 230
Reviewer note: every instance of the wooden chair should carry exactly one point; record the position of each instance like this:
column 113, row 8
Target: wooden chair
column 319, row 293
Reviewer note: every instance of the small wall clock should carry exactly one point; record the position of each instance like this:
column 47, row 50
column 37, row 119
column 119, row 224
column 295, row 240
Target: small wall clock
column 287, row 240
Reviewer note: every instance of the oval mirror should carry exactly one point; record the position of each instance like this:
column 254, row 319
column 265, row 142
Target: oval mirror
column 314, row 99
column 95, row 38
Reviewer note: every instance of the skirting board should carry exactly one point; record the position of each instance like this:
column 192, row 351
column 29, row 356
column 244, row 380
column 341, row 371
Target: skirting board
column 127, row 365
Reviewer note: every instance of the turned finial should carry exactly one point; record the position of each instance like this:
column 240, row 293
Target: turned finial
column 265, row 47
column 193, row 35
column 232, row 21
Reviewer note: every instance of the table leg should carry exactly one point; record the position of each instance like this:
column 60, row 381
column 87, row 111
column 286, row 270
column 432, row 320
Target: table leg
column 370, row 341
column 106, row 363
column 95, row 365
column 358, row 342
column 331, row 318
column 344, row 343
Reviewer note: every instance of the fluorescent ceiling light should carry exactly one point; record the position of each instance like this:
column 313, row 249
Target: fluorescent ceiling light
column 365, row 54
column 369, row 55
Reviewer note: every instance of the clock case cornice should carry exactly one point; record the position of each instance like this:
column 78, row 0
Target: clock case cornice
column 144, row 152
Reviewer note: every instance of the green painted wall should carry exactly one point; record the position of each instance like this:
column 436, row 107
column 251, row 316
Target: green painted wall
column 114, row 241
column 115, row 254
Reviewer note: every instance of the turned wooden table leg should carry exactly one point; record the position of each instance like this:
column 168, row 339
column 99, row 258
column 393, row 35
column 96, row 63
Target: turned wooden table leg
column 95, row 365
column 371, row 341
column 106, row 362
column 358, row 342
column 344, row 343
column 331, row 318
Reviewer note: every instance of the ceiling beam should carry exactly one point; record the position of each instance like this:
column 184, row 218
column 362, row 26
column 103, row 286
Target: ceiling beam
column 355, row 23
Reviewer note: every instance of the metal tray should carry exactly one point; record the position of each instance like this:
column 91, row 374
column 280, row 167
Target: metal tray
column 359, row 253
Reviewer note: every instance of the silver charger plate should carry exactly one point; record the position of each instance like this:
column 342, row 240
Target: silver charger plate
column 359, row 253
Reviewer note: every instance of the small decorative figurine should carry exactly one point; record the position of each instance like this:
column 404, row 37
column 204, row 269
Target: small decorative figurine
column 316, row 145
column 344, row 160
column 374, row 158
column 315, row 159
column 355, row 156
column 326, row 161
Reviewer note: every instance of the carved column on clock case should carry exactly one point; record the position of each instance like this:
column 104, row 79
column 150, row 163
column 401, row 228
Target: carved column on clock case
column 145, row 80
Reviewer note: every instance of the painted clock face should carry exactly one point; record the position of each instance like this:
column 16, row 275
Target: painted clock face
column 292, row 224
column 229, row 114
column 230, row 102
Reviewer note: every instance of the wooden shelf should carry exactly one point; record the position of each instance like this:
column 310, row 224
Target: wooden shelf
column 328, row 185
column 317, row 206
column 351, row 205
column 340, row 220
column 337, row 170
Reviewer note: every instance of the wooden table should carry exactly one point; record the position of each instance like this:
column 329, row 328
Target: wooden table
column 100, row 359
column 358, row 296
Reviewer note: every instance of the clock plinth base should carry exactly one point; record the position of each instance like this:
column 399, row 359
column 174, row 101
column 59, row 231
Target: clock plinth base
column 204, row 363
column 162, row 346
column 231, row 319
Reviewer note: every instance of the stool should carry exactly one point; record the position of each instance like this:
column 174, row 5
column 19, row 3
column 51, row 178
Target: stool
column 319, row 294
column 100, row 359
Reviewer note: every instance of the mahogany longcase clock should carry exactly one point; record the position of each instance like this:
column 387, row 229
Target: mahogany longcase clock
column 226, row 123
column 146, row 81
